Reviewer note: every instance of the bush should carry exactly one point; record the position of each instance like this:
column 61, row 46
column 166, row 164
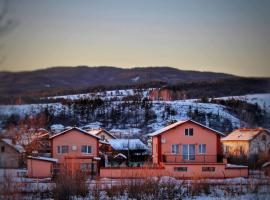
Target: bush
column 68, row 185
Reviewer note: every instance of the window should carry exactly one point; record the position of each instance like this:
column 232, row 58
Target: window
column 180, row 169
column 74, row 148
column 263, row 138
column 2, row 149
column 62, row 149
column 227, row 149
column 175, row 148
column 189, row 131
column 208, row 169
column 84, row 166
column 202, row 148
column 163, row 140
column 86, row 149
column 102, row 137
column 188, row 151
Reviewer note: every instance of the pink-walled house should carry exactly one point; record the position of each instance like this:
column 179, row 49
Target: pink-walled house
column 76, row 149
column 188, row 149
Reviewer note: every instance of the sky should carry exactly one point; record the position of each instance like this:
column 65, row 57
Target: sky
column 231, row 36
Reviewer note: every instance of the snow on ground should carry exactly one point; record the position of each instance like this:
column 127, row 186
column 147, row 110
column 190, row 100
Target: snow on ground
column 183, row 106
column 29, row 109
column 224, row 189
column 130, row 131
column 263, row 100
column 93, row 125
column 106, row 94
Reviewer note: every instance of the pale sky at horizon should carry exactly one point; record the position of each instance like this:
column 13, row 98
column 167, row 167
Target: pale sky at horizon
column 230, row 36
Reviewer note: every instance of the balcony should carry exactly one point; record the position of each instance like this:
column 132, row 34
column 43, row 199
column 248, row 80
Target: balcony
column 192, row 158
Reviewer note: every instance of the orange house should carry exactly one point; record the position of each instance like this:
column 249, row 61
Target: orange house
column 76, row 149
column 188, row 149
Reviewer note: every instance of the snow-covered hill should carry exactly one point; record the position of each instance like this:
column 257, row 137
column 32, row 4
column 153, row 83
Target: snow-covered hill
column 135, row 119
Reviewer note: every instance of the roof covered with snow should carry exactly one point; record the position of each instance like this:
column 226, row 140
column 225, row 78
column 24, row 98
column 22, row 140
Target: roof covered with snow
column 171, row 126
column 98, row 131
column 17, row 147
column 75, row 128
column 243, row 134
column 120, row 155
column 127, row 144
column 266, row 164
column 43, row 158
column 236, row 166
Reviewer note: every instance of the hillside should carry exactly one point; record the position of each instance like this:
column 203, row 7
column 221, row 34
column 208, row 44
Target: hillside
column 66, row 78
column 128, row 112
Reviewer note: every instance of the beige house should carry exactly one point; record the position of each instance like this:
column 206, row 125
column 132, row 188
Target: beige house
column 246, row 142
column 11, row 154
column 103, row 134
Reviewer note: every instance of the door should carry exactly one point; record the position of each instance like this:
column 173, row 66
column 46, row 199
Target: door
column 188, row 151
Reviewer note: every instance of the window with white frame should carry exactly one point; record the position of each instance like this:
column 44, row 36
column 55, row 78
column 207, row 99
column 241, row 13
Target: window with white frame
column 202, row 148
column 175, row 148
column 62, row 149
column 86, row 149
column 189, row 132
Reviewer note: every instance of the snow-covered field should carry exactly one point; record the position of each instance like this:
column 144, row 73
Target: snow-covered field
column 202, row 189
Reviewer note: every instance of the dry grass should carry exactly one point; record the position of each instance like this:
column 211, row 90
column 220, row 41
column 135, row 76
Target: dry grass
column 68, row 185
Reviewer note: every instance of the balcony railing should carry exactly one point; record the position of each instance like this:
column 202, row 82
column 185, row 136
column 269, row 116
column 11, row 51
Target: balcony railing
column 192, row 158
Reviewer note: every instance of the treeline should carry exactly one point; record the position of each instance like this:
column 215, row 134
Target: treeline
column 182, row 90
column 40, row 96
column 226, row 87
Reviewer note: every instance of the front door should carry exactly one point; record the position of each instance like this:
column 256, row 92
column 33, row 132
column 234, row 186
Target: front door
column 188, row 151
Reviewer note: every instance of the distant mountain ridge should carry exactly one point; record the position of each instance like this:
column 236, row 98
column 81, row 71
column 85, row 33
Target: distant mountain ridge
column 14, row 83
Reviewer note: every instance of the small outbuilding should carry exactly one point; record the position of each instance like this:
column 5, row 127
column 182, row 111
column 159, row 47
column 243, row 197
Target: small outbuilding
column 11, row 154
column 40, row 167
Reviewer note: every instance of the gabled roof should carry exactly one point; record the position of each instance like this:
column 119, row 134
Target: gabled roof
column 127, row 144
column 75, row 128
column 17, row 147
column 43, row 159
column 243, row 134
column 98, row 131
column 179, row 123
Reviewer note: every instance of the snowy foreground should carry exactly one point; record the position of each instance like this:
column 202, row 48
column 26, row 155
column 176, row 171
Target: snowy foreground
column 254, row 187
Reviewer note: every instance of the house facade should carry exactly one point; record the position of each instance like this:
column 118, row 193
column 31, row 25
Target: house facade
column 76, row 149
column 188, row 149
column 11, row 154
column 247, row 142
